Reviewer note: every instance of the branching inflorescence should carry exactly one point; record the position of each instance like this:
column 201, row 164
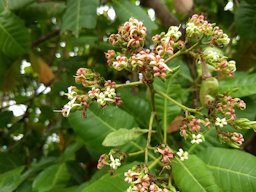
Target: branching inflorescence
column 202, row 40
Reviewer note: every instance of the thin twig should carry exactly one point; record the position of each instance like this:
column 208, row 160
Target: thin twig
column 149, row 135
column 45, row 37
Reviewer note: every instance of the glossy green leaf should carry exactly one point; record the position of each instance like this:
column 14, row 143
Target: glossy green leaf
column 125, row 9
column 233, row 170
column 241, row 85
column 192, row 175
column 245, row 20
column 14, row 37
column 17, row 4
column 79, row 14
column 122, row 136
column 10, row 180
column 52, row 176
column 99, row 123
column 110, row 183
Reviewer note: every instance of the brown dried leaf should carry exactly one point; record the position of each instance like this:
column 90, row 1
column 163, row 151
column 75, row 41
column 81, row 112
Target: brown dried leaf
column 175, row 124
column 45, row 74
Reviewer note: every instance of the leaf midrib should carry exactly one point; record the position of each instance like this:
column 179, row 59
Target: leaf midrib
column 187, row 170
column 230, row 171
column 56, row 176
column 103, row 122
column 10, row 36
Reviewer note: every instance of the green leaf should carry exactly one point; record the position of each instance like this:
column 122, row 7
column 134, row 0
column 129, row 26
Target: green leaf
column 135, row 103
column 70, row 151
column 125, row 10
column 17, row 4
column 51, row 177
column 110, row 183
column 242, row 83
column 10, row 180
column 44, row 10
column 122, row 136
column 99, row 123
column 165, row 109
column 233, row 170
column 192, row 175
column 245, row 20
column 2, row 5
column 5, row 118
column 9, row 161
column 85, row 40
column 14, row 37
column 79, row 14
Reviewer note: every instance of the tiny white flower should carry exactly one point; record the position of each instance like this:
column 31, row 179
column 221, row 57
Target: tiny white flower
column 110, row 93
column 71, row 92
column 182, row 154
column 174, row 32
column 191, row 29
column 67, row 108
column 101, row 99
column 114, row 162
column 196, row 138
column 232, row 65
column 220, row 122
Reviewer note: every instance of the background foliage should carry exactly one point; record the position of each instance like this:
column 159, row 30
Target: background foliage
column 43, row 43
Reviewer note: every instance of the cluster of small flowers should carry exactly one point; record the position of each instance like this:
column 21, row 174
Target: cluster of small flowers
column 87, row 77
column 219, row 62
column 232, row 138
column 165, row 43
column 131, row 37
column 102, row 95
column 197, row 27
column 226, row 106
column 167, row 155
column 141, row 180
column 110, row 160
column 191, row 127
column 106, row 95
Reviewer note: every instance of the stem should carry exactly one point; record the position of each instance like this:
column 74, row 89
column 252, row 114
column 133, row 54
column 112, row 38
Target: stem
column 177, row 103
column 139, row 147
column 135, row 153
column 149, row 135
column 153, row 164
column 129, row 84
column 153, row 107
column 173, row 56
column 182, row 51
